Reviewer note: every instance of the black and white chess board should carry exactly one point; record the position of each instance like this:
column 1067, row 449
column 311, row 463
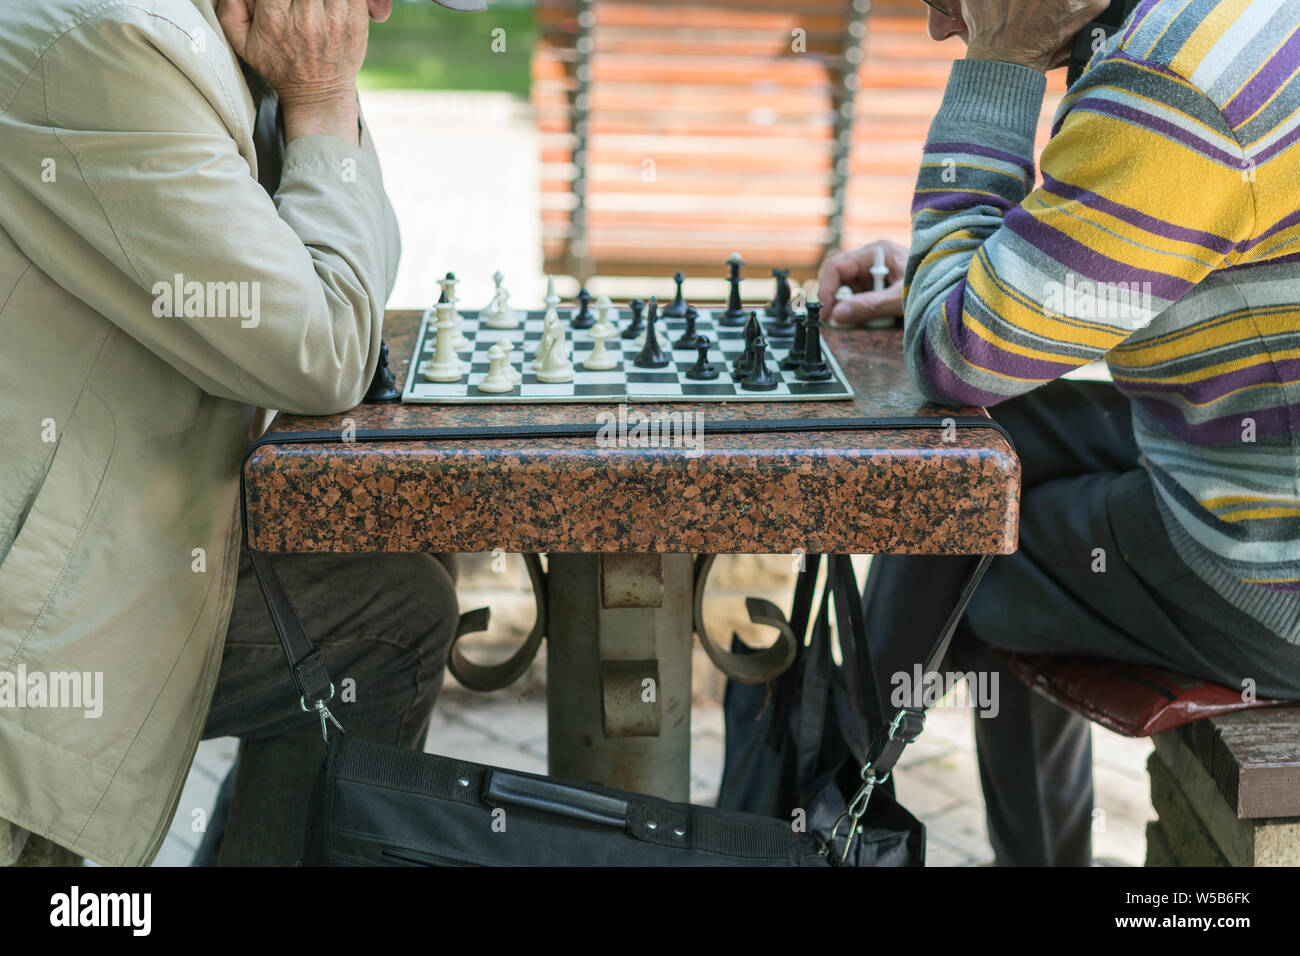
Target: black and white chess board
column 623, row 383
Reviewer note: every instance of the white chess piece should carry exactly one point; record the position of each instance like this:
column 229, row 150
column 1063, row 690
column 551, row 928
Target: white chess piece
column 499, row 315
column 551, row 330
column 507, row 347
column 799, row 302
column 498, row 378
column 555, row 365
column 879, row 276
column 459, row 342
column 601, row 359
column 498, row 277
column 606, row 315
column 446, row 365
column 552, row 300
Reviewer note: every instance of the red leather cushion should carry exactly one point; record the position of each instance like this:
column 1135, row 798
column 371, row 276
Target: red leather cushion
column 1130, row 700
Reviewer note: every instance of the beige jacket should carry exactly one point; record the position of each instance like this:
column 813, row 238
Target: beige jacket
column 127, row 160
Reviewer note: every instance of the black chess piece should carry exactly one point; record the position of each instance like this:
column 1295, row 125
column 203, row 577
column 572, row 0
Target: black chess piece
column 677, row 308
column 745, row 364
column 690, row 338
column 814, row 367
column 703, row 369
column 794, row 358
column 583, row 319
column 383, row 387
column 633, row 330
column 651, row 355
column 779, row 307
column 759, row 378
column 735, row 314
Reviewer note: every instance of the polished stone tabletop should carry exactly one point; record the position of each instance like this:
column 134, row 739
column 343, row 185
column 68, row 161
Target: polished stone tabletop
column 872, row 491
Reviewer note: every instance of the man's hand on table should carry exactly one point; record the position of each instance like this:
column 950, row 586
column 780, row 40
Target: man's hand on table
column 310, row 52
column 853, row 269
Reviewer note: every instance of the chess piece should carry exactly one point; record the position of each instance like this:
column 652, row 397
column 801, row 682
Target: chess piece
column 556, row 366
column 690, row 338
column 879, row 278
column 677, row 308
column 759, row 378
column 583, row 319
column 498, row 378
column 703, row 369
column 383, row 387
column 745, row 364
column 552, row 300
column 635, row 327
column 779, row 307
column 794, row 358
column 446, row 365
column 814, row 367
column 651, row 355
column 551, row 330
column 448, row 297
column 601, row 358
column 498, row 277
column 735, row 314
column 498, row 314
column 508, row 347
column 608, row 317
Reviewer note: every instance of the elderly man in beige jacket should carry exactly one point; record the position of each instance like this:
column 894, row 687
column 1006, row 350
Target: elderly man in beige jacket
column 192, row 227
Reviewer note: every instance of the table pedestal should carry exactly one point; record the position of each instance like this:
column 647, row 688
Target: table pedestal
column 618, row 665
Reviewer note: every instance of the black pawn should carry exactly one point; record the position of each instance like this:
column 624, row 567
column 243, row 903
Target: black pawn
column 690, row 339
column 779, row 307
column 651, row 355
column 703, row 369
column 383, row 387
column 677, row 308
column 794, row 358
column 735, row 314
column 813, row 368
column 583, row 319
column 443, row 297
column 633, row 330
column 759, row 378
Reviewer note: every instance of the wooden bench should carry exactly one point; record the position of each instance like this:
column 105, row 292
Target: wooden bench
column 1225, row 773
column 674, row 132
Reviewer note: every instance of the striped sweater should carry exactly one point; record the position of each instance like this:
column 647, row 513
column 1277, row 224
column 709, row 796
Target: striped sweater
column 1164, row 238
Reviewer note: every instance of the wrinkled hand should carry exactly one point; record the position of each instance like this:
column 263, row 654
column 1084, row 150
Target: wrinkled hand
column 1034, row 33
column 309, row 51
column 853, row 269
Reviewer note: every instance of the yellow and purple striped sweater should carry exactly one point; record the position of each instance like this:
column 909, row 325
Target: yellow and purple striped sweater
column 1165, row 237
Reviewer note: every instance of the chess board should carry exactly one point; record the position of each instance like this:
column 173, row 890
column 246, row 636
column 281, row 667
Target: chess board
column 625, row 382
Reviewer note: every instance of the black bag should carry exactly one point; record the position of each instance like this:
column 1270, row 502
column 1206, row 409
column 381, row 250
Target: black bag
column 796, row 743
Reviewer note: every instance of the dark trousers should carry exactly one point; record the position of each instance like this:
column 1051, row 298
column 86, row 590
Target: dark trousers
column 383, row 623
column 1086, row 504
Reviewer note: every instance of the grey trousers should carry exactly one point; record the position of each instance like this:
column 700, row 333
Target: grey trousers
column 1084, row 489
column 383, row 623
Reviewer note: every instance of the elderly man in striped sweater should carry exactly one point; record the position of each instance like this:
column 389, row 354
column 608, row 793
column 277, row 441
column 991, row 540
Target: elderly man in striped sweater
column 1160, row 515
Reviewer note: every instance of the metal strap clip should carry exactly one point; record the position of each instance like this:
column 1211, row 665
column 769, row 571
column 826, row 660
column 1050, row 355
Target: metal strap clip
column 324, row 713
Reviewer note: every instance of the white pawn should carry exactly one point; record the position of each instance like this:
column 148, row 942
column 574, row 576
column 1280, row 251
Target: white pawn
column 498, row 378
column 446, row 365
column 601, row 359
column 555, row 365
column 605, row 309
column 507, row 347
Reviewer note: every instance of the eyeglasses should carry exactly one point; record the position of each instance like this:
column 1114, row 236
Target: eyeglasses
column 936, row 7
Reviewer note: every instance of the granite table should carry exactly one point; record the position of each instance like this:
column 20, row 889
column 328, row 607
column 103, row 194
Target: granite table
column 622, row 526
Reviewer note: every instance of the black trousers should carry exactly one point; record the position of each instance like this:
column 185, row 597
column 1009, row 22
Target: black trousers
column 1096, row 576
column 383, row 624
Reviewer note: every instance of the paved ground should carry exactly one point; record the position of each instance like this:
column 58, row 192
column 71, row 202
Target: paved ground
column 462, row 172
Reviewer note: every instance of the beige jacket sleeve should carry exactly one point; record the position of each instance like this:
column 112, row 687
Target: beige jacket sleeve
column 147, row 127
